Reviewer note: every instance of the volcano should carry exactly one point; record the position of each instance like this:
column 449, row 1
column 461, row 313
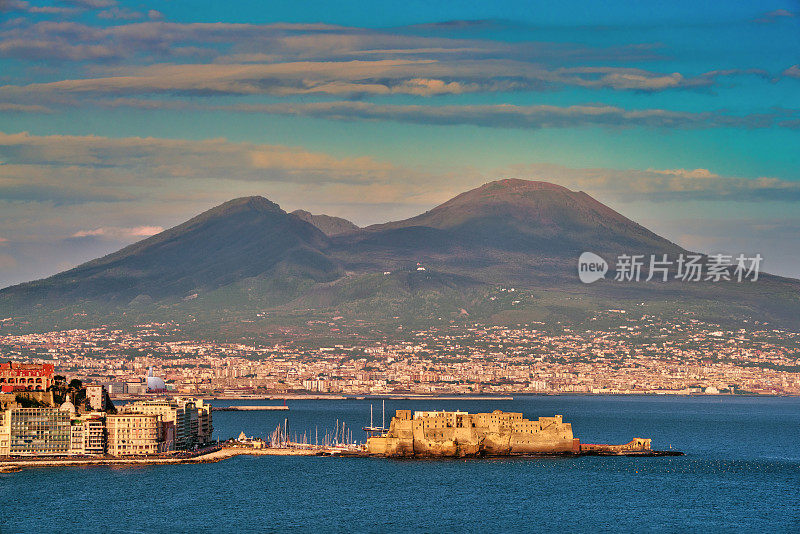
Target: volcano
column 249, row 254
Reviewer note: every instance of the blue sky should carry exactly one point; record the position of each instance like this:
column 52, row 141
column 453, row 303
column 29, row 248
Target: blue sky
column 121, row 118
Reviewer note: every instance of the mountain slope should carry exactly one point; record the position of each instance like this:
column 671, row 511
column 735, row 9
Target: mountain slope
column 248, row 256
column 504, row 232
column 327, row 224
column 245, row 237
column 530, row 216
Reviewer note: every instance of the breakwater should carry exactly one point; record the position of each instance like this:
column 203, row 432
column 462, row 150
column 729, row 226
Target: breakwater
column 249, row 408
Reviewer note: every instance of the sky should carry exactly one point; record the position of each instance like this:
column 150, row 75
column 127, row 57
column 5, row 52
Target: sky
column 121, row 118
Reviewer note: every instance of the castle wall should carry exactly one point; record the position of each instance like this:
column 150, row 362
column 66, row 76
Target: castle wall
column 461, row 434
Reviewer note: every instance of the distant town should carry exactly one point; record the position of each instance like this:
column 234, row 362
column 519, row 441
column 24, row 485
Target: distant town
column 621, row 355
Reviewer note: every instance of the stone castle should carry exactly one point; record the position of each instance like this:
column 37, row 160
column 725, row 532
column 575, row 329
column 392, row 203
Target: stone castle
column 458, row 434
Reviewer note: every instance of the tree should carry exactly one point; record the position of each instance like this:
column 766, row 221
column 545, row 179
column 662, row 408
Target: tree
column 75, row 384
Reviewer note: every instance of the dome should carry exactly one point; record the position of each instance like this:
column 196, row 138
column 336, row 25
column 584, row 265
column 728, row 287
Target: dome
column 155, row 383
column 68, row 407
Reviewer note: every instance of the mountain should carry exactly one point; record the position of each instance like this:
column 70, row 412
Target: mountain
column 536, row 217
column 249, row 258
column 240, row 239
column 506, row 231
column 327, row 224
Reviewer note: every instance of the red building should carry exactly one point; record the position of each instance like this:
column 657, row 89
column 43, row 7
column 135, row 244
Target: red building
column 25, row 376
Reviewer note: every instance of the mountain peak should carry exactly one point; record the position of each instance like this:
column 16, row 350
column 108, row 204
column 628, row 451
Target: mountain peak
column 252, row 203
column 534, row 216
column 517, row 184
column 512, row 190
column 327, row 224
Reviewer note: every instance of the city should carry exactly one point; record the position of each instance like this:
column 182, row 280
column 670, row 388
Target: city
column 627, row 355
column 517, row 266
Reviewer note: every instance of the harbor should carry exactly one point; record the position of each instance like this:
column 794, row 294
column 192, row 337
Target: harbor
column 418, row 434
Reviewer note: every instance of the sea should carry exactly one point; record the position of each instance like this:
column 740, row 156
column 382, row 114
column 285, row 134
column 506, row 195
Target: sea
column 741, row 472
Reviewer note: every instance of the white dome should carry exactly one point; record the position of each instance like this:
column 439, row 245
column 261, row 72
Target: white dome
column 155, row 383
column 68, row 407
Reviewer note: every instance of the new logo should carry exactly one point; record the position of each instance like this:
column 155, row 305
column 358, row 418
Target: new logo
column 591, row 267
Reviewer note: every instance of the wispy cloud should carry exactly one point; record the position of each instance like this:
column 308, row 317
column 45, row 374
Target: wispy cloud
column 65, row 168
column 23, row 6
column 773, row 16
column 793, row 71
column 120, row 13
column 230, row 42
column 23, row 108
column 118, row 233
column 91, row 4
column 92, row 168
column 513, row 116
column 662, row 185
column 419, row 77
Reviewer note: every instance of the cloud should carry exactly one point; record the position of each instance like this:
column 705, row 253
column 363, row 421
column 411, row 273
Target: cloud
column 792, row 72
column 69, row 169
column 285, row 59
column 201, row 59
column 66, row 168
column 23, row 108
column 24, row 6
column 286, row 42
column 90, row 4
column 420, row 77
column 504, row 115
column 117, row 233
column 491, row 115
column 120, row 13
column 665, row 185
column 3, row 241
column 687, row 173
column 771, row 17
column 44, row 49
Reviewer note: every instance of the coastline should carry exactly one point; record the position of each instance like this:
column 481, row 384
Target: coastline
column 454, row 397
column 14, row 465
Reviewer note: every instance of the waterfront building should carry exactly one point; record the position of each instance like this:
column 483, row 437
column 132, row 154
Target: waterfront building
column 76, row 437
column 134, row 434
column 37, row 431
column 205, row 424
column 191, row 419
column 200, row 420
column 171, row 413
column 88, row 434
column 25, row 376
column 5, row 429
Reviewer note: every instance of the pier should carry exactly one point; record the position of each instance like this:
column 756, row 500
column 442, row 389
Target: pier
column 249, row 408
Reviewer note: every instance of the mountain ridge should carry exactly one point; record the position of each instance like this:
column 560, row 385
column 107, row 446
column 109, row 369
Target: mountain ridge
column 248, row 253
column 328, row 224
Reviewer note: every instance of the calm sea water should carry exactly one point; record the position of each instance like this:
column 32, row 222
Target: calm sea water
column 741, row 472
